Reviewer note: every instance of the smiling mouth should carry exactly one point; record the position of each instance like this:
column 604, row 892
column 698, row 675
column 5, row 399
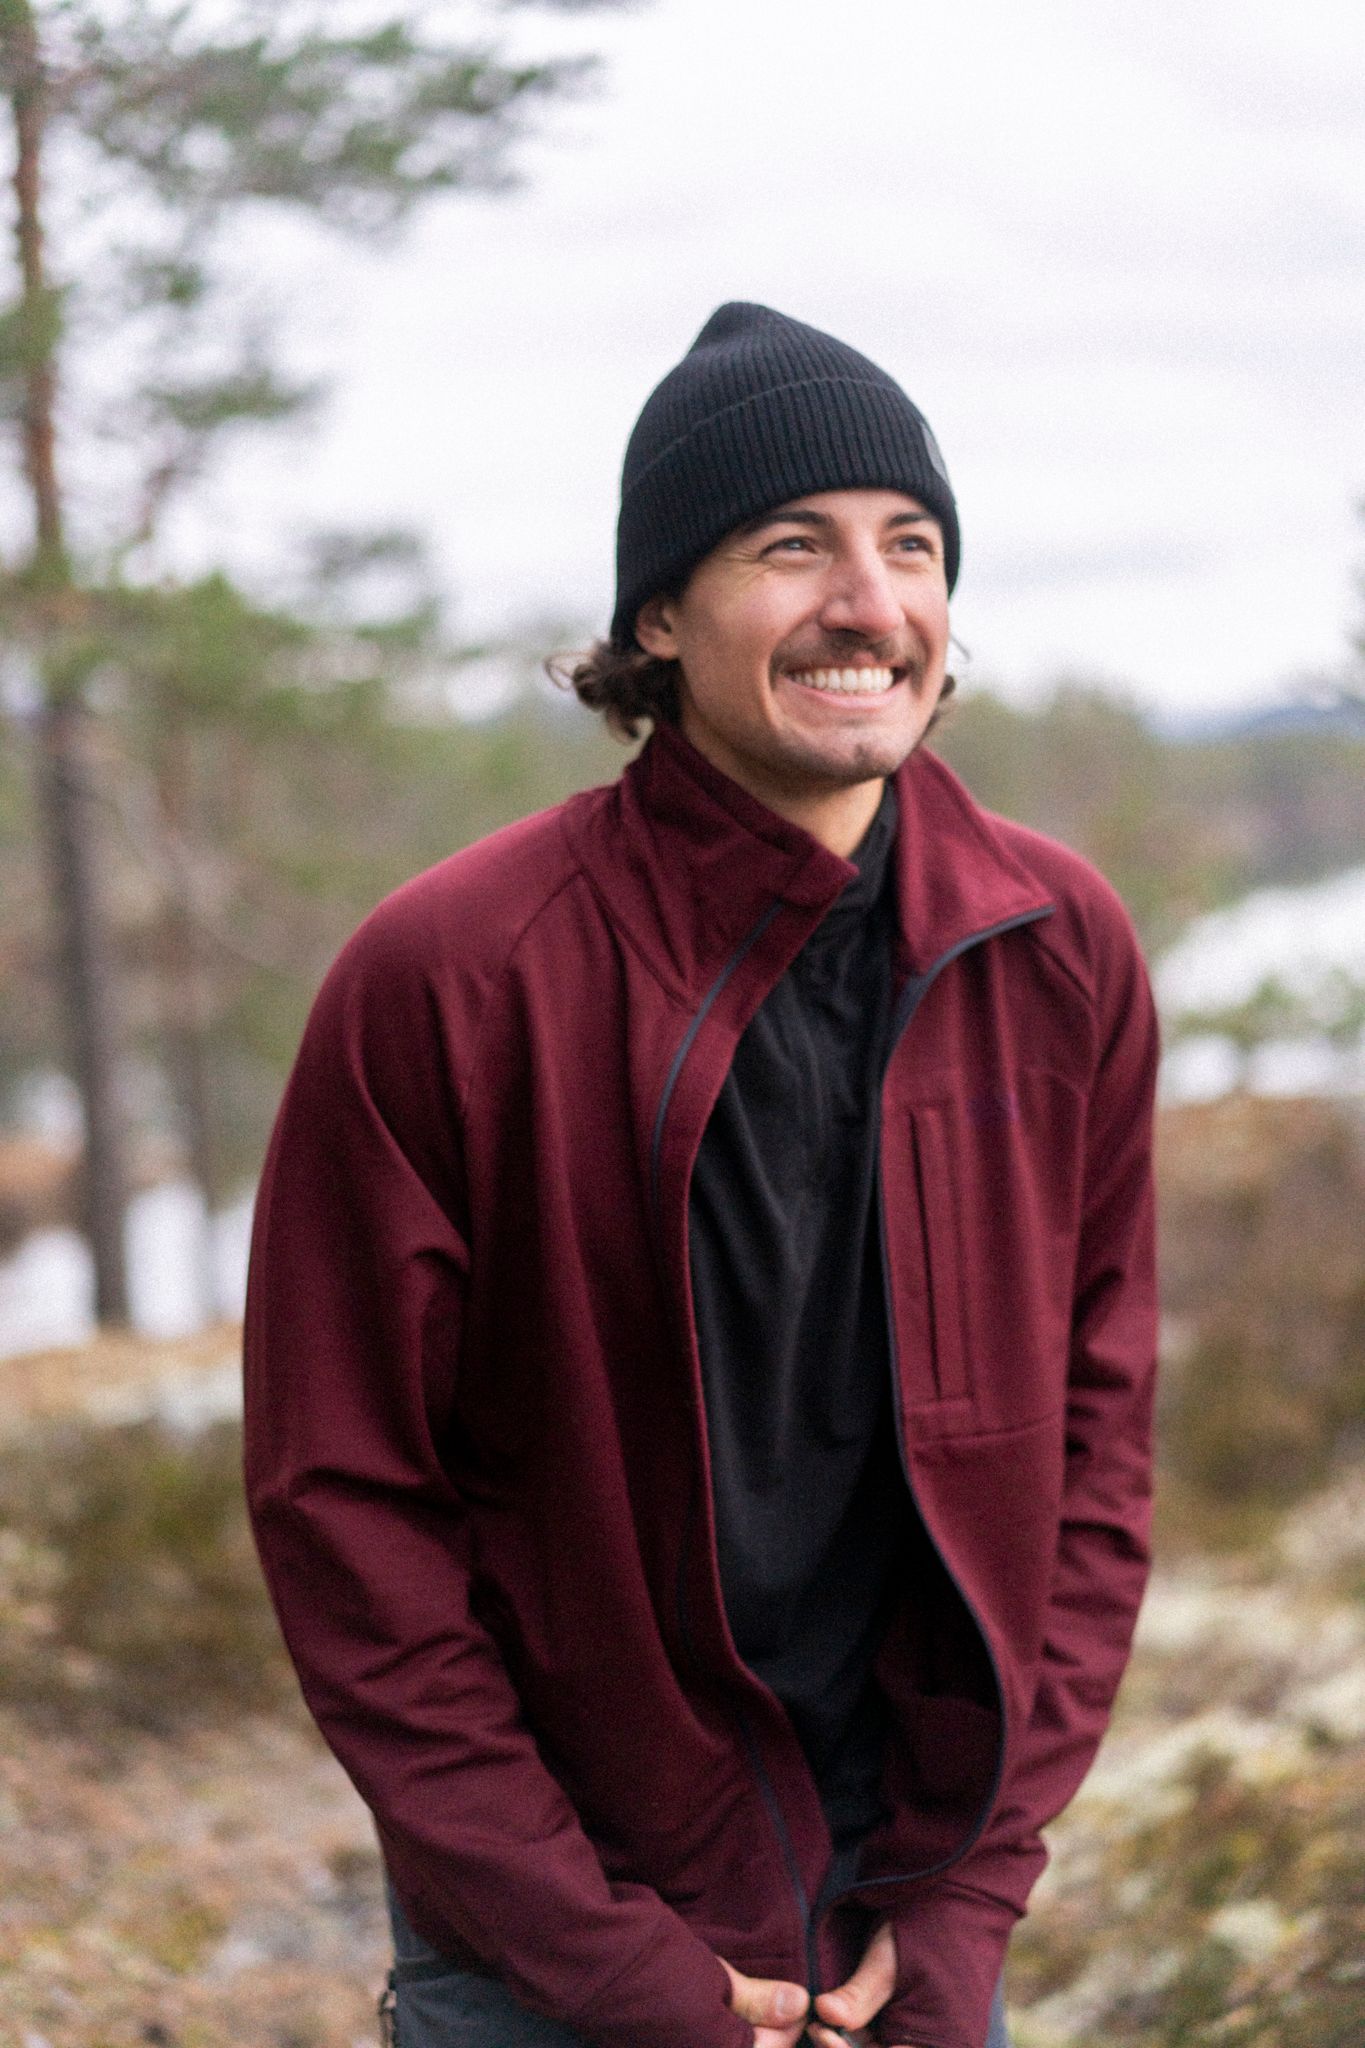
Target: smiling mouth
column 846, row 682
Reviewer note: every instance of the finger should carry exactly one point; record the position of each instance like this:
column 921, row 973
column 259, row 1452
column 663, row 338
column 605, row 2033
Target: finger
column 835, row 2037
column 779, row 2037
column 766, row 2001
column 862, row 1997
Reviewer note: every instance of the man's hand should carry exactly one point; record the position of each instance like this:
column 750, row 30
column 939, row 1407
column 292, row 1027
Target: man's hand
column 855, row 2004
column 778, row 2012
column 775, row 2010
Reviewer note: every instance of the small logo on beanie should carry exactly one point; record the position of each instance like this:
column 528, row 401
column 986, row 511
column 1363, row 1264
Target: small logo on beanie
column 934, row 452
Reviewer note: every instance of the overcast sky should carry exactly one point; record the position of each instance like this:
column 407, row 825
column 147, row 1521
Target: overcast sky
column 1115, row 253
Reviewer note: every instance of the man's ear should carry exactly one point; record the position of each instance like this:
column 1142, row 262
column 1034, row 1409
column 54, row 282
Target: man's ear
column 655, row 628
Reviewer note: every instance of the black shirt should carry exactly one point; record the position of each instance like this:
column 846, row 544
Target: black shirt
column 787, row 1280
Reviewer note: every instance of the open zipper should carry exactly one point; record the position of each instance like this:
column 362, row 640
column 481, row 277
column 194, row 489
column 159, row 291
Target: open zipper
column 908, row 1002
column 911, row 996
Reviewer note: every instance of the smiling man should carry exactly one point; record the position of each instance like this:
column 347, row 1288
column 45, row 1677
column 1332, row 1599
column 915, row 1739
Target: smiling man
column 701, row 1326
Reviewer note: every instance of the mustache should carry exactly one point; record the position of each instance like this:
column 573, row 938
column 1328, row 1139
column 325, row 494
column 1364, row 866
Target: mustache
column 837, row 651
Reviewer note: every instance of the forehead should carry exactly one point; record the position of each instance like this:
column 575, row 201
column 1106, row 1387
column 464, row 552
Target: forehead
column 861, row 507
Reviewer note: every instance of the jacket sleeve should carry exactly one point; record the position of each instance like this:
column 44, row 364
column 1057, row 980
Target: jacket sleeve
column 951, row 1933
column 358, row 1273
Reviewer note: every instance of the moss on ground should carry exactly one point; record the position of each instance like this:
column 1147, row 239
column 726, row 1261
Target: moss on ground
column 129, row 1579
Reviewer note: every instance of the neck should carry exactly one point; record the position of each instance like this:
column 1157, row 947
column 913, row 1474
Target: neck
column 837, row 814
column 837, row 818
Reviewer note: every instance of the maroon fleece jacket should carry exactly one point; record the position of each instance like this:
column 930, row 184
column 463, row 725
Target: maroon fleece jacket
column 476, row 1451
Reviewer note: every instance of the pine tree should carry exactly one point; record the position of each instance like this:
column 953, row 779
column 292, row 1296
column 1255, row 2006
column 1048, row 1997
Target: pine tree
column 172, row 126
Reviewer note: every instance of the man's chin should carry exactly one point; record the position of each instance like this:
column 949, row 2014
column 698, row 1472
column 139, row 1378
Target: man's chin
column 862, row 759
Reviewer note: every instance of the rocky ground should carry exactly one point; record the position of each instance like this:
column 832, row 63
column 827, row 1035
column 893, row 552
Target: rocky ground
column 167, row 1876
column 201, row 1876
column 215, row 1891
column 1208, row 1884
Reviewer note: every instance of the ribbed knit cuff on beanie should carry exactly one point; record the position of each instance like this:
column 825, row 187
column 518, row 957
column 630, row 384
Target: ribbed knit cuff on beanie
column 760, row 410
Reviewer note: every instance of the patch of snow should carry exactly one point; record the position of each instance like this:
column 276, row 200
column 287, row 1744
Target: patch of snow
column 1311, row 940
column 1200, row 1069
column 1306, row 1066
column 1300, row 936
column 231, row 1246
column 47, row 1293
column 181, row 1276
column 170, row 1277
column 185, row 1402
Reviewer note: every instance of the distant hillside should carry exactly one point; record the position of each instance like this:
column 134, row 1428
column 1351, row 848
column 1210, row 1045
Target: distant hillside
column 1180, row 825
column 1271, row 721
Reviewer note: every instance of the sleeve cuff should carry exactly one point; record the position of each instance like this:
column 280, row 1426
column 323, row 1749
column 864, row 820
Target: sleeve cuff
column 668, row 2001
column 950, row 1951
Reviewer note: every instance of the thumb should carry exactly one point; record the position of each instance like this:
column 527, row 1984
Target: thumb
column 766, row 2001
column 864, row 1994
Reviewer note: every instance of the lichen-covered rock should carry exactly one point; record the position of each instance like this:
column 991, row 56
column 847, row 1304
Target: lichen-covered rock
column 1208, row 1884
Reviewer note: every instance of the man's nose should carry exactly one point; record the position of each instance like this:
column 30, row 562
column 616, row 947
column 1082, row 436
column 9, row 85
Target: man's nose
column 861, row 598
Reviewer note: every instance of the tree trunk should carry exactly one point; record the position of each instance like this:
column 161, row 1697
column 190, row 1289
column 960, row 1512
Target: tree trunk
column 190, row 1080
column 87, row 994
column 184, row 1002
column 66, row 764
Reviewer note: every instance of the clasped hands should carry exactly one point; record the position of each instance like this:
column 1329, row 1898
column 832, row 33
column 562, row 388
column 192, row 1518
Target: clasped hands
column 780, row 2014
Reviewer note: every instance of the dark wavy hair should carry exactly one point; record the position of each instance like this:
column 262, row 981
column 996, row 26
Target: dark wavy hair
column 627, row 685
column 624, row 684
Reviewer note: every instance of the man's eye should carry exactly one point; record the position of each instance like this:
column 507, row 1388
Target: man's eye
column 789, row 542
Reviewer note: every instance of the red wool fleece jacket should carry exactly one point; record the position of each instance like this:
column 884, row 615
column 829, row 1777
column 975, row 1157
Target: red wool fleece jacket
column 476, row 1451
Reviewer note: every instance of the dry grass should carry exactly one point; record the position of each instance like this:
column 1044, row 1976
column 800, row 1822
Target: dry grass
column 116, row 1377
column 216, row 1891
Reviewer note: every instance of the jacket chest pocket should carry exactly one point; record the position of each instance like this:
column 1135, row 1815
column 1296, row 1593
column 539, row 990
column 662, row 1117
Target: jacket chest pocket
column 981, row 1200
column 942, row 1251
column 927, row 1268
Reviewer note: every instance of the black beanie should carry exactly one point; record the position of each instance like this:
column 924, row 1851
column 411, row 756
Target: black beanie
column 761, row 409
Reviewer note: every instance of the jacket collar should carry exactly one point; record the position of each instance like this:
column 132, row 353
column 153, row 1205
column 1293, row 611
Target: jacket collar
column 960, row 870
column 687, row 863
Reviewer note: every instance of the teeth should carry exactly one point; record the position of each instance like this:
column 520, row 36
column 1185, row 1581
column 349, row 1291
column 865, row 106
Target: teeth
column 852, row 682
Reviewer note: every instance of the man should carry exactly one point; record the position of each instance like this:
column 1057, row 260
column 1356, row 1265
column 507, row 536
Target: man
column 701, row 1324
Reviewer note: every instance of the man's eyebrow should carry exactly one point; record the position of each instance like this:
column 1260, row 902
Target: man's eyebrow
column 801, row 515
column 786, row 515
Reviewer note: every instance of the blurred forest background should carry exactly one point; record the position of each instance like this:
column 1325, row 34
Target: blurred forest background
column 203, row 788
